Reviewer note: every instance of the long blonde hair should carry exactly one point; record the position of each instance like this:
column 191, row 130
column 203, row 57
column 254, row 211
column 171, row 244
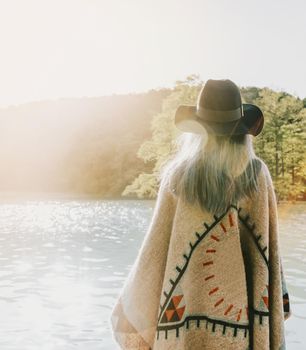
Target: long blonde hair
column 212, row 171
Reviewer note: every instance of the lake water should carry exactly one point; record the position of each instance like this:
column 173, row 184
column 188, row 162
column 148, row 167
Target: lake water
column 63, row 263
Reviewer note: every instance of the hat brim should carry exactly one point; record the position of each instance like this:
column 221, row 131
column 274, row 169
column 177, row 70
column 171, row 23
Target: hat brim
column 250, row 123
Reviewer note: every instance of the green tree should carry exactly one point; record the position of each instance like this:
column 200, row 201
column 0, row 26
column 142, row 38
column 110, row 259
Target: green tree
column 281, row 144
column 161, row 145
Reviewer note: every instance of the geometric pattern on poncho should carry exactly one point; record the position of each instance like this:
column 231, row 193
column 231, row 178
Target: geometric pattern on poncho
column 175, row 309
column 264, row 301
column 172, row 311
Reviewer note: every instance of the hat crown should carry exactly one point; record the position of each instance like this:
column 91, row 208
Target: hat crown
column 220, row 110
column 219, row 95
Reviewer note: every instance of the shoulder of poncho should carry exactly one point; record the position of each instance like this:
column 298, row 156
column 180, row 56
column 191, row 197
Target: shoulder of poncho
column 265, row 172
column 166, row 189
column 166, row 184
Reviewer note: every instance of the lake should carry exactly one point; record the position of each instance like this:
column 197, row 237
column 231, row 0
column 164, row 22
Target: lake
column 64, row 261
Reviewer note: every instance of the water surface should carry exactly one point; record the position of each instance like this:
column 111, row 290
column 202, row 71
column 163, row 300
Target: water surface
column 63, row 263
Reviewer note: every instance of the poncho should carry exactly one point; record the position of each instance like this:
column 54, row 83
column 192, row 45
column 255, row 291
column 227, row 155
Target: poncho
column 202, row 281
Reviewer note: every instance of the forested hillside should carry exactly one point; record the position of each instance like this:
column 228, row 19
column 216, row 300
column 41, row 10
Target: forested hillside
column 77, row 145
column 281, row 144
column 114, row 146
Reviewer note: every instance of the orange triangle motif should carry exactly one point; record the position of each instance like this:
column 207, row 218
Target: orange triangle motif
column 169, row 314
column 176, row 300
column 180, row 312
column 266, row 301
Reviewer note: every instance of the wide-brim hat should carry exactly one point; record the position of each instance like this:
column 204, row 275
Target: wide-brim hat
column 220, row 110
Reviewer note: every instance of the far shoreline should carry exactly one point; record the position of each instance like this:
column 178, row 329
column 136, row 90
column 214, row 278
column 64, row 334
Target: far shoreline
column 10, row 195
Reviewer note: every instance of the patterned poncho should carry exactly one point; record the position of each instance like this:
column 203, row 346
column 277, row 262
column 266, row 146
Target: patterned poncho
column 202, row 281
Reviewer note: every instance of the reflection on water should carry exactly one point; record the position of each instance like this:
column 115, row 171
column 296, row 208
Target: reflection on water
column 63, row 263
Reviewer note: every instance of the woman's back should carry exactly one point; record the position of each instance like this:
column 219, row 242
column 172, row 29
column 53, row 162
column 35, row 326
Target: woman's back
column 209, row 271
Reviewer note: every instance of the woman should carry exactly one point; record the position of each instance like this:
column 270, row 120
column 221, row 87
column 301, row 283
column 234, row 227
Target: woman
column 209, row 272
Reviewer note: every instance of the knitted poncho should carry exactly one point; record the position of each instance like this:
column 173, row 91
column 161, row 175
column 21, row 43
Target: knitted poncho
column 202, row 281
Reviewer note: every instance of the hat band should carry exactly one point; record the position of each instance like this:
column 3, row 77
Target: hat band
column 219, row 116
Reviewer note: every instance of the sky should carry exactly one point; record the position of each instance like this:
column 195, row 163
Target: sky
column 76, row 48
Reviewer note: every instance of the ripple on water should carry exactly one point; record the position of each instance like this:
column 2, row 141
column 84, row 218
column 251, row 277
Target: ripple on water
column 64, row 262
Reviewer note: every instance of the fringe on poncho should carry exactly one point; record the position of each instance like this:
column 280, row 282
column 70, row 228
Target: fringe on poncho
column 202, row 281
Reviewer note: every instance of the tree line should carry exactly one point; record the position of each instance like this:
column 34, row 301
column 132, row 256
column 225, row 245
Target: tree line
column 281, row 144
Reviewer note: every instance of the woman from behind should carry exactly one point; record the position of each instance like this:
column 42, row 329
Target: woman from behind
column 209, row 271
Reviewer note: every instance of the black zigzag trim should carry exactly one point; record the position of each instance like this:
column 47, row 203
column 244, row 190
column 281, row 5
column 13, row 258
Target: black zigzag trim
column 260, row 314
column 256, row 238
column 181, row 270
column 200, row 319
column 200, row 237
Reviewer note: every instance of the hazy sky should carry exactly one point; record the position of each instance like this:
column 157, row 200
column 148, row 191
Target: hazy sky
column 64, row 48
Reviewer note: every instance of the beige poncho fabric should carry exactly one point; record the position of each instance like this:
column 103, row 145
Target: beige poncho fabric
column 206, row 282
